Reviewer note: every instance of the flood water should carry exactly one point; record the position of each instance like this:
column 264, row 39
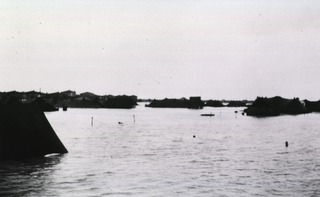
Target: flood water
column 172, row 152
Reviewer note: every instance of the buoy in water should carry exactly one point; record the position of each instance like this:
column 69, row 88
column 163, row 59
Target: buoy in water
column 287, row 144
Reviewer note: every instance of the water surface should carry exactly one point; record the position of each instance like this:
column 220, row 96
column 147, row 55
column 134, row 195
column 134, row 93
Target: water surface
column 172, row 152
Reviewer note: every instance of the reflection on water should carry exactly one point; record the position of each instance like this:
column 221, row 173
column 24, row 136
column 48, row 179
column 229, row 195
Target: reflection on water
column 157, row 155
column 27, row 177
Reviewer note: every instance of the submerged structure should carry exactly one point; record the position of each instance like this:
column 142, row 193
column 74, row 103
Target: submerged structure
column 213, row 103
column 313, row 106
column 191, row 103
column 262, row 107
column 25, row 132
column 237, row 104
column 275, row 106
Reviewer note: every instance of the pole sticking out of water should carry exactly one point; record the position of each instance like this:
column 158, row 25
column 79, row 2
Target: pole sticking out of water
column 134, row 118
column 287, row 143
column 92, row 121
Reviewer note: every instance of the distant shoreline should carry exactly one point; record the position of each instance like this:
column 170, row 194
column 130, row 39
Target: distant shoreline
column 262, row 106
column 27, row 97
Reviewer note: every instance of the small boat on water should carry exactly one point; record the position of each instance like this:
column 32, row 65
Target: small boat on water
column 211, row 114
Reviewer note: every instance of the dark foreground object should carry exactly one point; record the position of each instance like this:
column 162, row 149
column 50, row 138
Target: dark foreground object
column 25, row 133
column 43, row 105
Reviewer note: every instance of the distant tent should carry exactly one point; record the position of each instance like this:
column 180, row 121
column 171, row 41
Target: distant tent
column 25, row 132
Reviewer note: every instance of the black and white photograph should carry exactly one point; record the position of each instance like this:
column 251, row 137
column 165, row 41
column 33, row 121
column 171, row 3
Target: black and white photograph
column 157, row 98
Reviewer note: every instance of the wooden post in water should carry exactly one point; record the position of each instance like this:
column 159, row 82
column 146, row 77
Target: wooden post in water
column 287, row 144
column 92, row 121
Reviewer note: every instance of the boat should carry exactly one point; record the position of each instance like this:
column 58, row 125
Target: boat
column 211, row 114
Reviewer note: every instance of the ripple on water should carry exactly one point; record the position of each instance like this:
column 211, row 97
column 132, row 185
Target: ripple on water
column 158, row 156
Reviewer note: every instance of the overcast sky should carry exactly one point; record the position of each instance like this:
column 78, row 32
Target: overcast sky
column 232, row 49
